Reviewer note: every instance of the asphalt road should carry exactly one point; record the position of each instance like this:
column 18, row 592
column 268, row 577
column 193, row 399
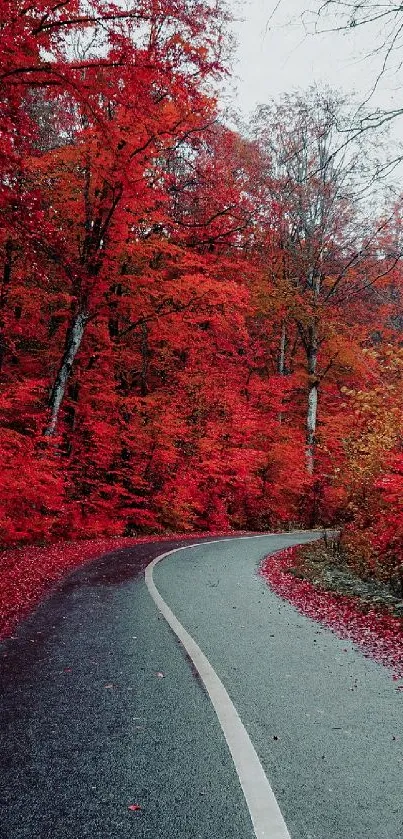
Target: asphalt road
column 101, row 709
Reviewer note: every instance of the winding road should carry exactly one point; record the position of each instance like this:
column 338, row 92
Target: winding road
column 256, row 723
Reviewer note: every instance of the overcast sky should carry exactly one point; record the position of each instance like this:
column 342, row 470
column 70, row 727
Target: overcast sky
column 275, row 54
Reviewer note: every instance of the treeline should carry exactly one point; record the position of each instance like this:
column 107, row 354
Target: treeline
column 199, row 330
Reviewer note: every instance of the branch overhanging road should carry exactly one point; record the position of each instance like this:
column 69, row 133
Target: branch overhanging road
column 102, row 708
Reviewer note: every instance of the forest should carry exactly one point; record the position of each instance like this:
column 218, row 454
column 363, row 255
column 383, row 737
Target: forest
column 200, row 325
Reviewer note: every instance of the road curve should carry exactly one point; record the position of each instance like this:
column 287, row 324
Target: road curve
column 102, row 710
column 266, row 817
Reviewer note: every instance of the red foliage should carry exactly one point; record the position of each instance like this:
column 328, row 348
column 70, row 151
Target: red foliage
column 378, row 635
column 388, row 524
column 158, row 310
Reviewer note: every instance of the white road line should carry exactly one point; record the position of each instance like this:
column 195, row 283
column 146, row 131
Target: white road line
column 267, row 820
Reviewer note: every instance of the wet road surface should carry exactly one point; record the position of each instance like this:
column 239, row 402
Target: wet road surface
column 101, row 708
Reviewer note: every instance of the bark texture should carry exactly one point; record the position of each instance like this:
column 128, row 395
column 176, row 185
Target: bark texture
column 73, row 342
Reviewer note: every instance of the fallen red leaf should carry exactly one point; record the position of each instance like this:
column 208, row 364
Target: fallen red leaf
column 379, row 636
column 134, row 807
column 29, row 571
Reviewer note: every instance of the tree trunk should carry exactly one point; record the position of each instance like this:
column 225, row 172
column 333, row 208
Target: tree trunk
column 8, row 256
column 315, row 280
column 312, row 409
column 281, row 357
column 281, row 363
column 144, row 360
column 74, row 338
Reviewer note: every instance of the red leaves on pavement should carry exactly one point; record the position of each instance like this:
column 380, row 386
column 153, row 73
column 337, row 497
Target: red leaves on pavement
column 134, row 807
column 28, row 573
column 378, row 635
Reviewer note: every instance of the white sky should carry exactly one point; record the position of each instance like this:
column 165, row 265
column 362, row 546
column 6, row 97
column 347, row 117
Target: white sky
column 275, row 54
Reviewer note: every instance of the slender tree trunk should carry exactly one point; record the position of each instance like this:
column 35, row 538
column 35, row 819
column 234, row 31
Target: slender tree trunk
column 315, row 280
column 281, row 362
column 144, row 360
column 74, row 338
column 281, row 357
column 8, row 257
column 312, row 408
